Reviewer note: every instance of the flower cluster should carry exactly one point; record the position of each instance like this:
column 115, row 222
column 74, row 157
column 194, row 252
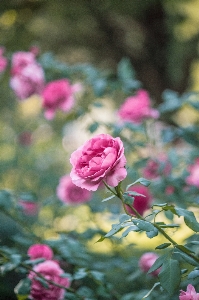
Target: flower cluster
column 49, row 270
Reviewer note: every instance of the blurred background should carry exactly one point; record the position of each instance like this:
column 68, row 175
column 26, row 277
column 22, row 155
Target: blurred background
column 159, row 36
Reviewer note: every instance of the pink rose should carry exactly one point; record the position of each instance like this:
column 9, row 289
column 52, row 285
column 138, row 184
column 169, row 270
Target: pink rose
column 3, row 60
column 51, row 271
column 190, row 294
column 69, row 193
column 20, row 60
column 28, row 81
column 40, row 251
column 100, row 158
column 146, row 262
column 141, row 204
column 157, row 167
column 29, row 208
column 193, row 178
column 137, row 108
column 169, row 190
column 58, row 94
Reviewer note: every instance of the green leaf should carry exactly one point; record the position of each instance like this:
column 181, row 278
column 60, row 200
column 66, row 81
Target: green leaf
column 98, row 276
column 193, row 274
column 42, row 281
column 100, row 239
column 6, row 201
column 163, row 246
column 170, row 275
column 189, row 218
column 154, row 286
column 93, row 127
column 152, row 233
column 170, row 225
column 144, row 225
column 172, row 102
column 128, row 199
column 22, row 289
column 115, row 228
column 81, row 273
column 129, row 229
column 188, row 259
column 109, row 198
column 158, row 263
column 125, row 70
column 141, row 180
column 124, row 218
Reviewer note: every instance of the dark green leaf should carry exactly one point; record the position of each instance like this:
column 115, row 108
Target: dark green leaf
column 170, row 275
column 151, row 234
column 158, row 263
column 115, row 228
column 189, row 218
column 144, row 225
column 23, row 287
column 163, row 246
column 129, row 229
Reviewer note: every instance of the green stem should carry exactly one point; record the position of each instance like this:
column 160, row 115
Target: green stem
column 186, row 251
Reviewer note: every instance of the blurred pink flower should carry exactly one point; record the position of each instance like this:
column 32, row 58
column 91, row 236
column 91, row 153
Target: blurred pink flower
column 100, row 158
column 137, row 108
column 58, row 94
column 141, row 204
column 3, row 60
column 146, row 261
column 169, row 190
column 190, row 294
column 69, row 193
column 20, row 60
column 27, row 82
column 193, row 178
column 40, row 251
column 156, row 167
column 30, row 208
column 51, row 271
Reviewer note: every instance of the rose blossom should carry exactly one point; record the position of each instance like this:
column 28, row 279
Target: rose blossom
column 27, row 75
column 100, row 158
column 146, row 261
column 40, row 251
column 51, row 271
column 30, row 208
column 190, row 294
column 58, row 94
column 193, row 178
column 155, row 167
column 140, row 203
column 69, row 193
column 137, row 108
column 20, row 60
column 29, row 81
column 3, row 60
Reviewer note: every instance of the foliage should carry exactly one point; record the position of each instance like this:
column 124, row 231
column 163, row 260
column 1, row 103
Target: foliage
column 100, row 263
